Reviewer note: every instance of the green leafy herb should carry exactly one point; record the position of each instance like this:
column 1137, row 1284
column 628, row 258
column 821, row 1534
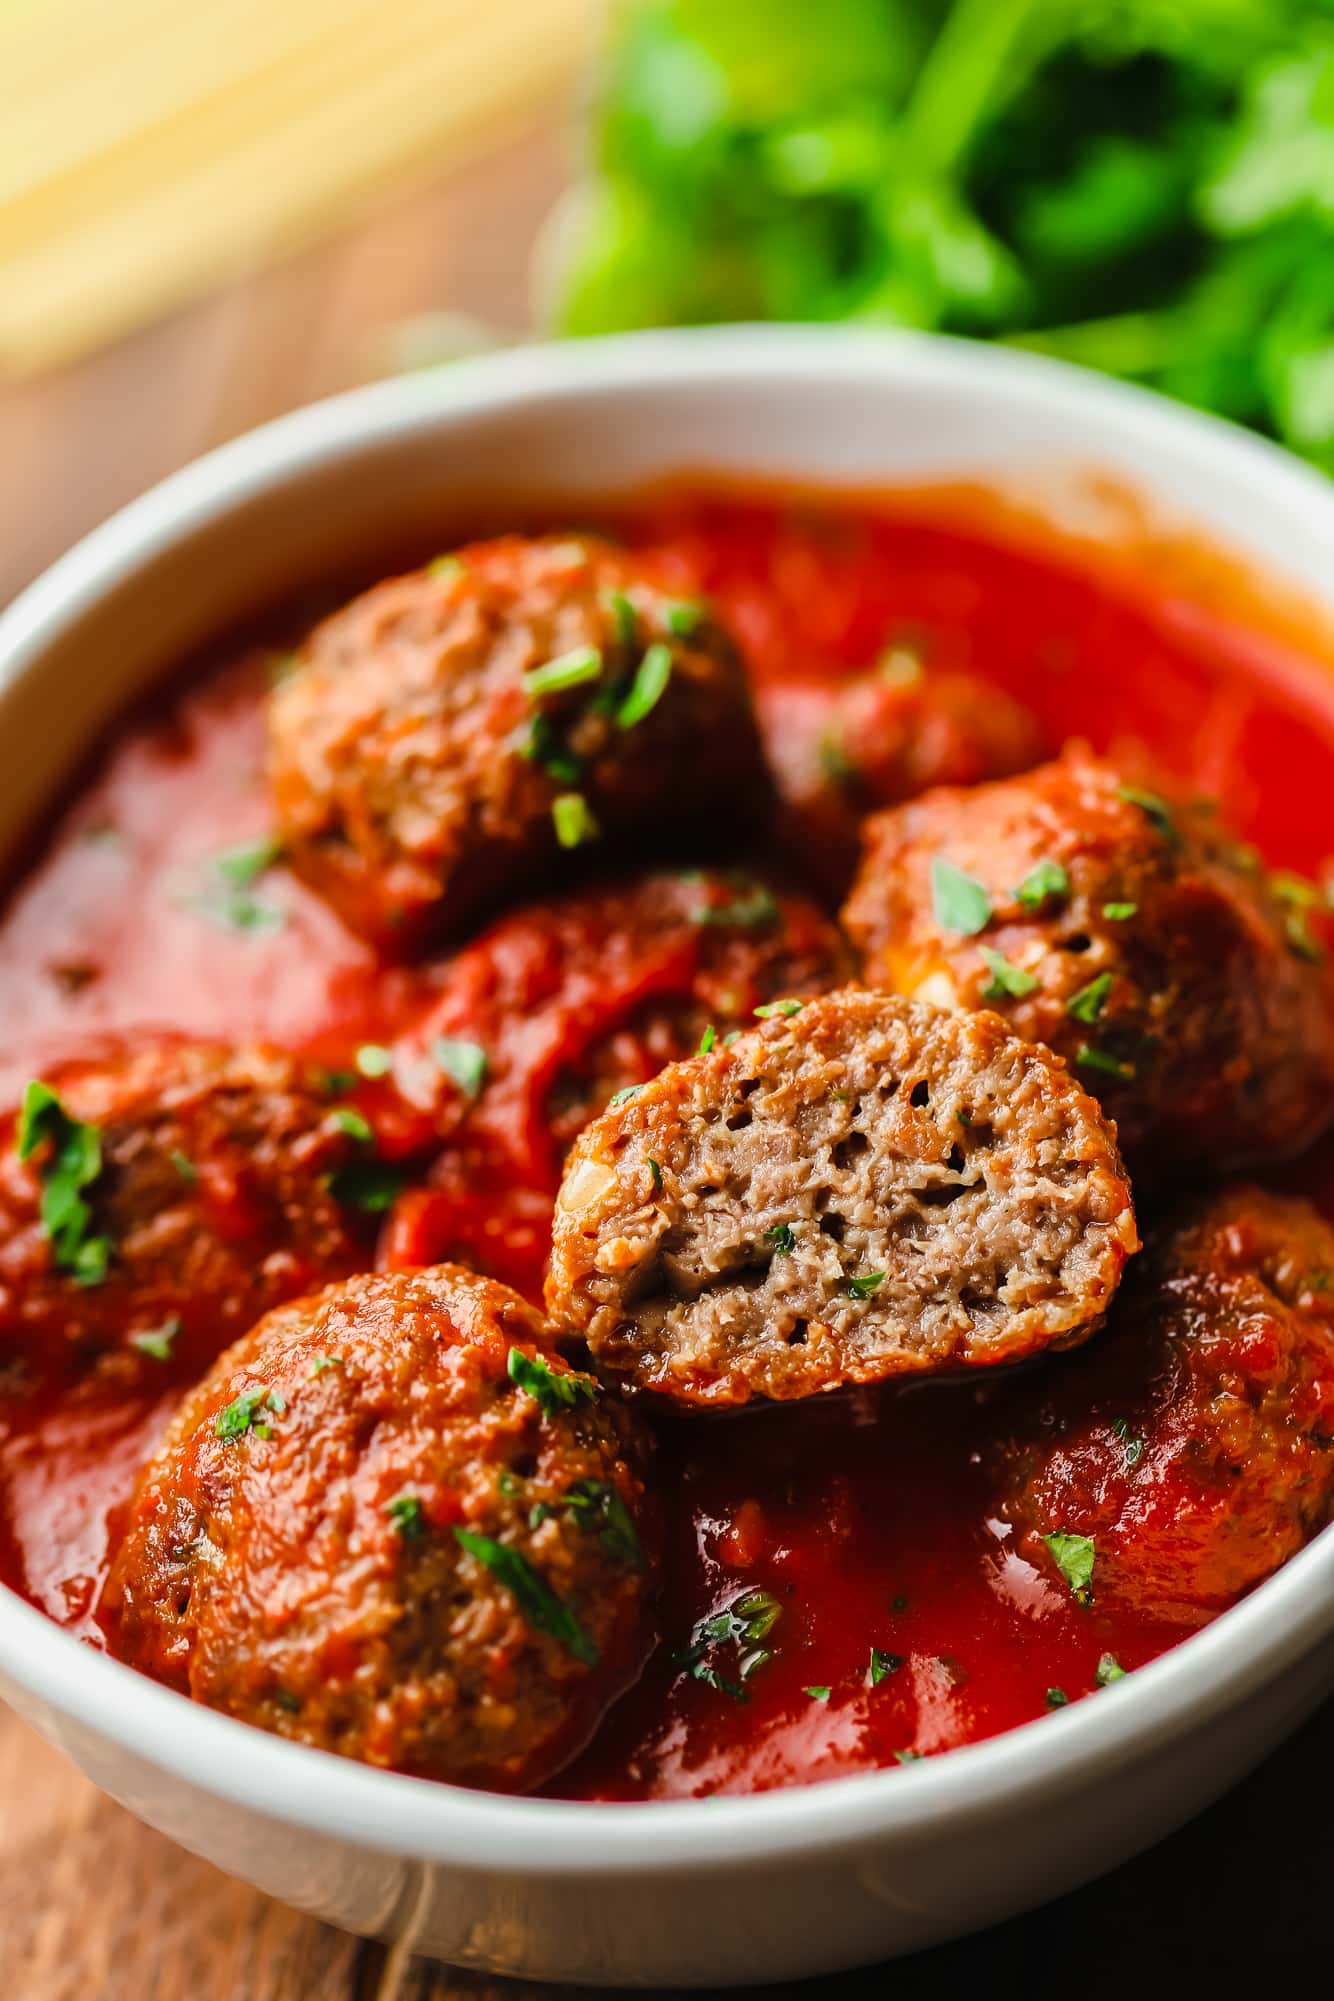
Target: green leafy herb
column 405, row 1512
column 1119, row 913
column 1005, row 980
column 744, row 1625
column 755, row 910
column 818, row 1692
column 1155, row 810
column 1057, row 1698
column 1090, row 1057
column 532, row 1594
column 781, row 1237
column 543, row 747
column 1073, row 1557
column 1109, row 1670
column 655, row 1169
column 882, row 1665
column 567, row 670
column 1134, row 1446
column 245, row 1413
column 573, row 820
column 71, row 1162
column 1046, row 882
column 369, row 1185
column 464, row 1063
column 707, row 1041
column 623, row 1096
column 683, row 617
column 623, row 618
column 597, row 1506
column 1088, row 1004
column 183, row 1164
column 244, row 865
column 554, row 1389
column 783, row 1009
column 648, row 687
column 908, row 1757
column 352, row 1123
column 374, row 1060
column 863, row 1284
column 157, row 1341
column 960, row 902
column 287, row 1701
column 320, row 1363
column 446, row 568
column 228, row 900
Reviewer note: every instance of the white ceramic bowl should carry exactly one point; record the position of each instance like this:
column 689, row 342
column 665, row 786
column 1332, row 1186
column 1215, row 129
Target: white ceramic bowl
column 789, row 1883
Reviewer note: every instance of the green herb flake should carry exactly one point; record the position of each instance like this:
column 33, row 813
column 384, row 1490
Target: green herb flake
column 352, row 1123
column 908, row 1757
column 1134, row 1446
column 683, row 617
column 405, row 1512
column 567, row 670
column 244, row 1414
column 156, row 1342
column 1087, row 1005
column 781, row 1237
column 1073, row 1557
column 542, row 747
column 369, row 1185
column 573, row 820
column 1046, row 882
column 732, row 1035
column 648, row 687
column 1090, row 1057
column 623, row 618
column 882, row 1664
column 819, row 1691
column 320, row 1363
column 783, row 1010
column 374, row 1060
column 446, row 569
column 184, row 1166
column 1005, row 979
column 465, row 1063
column 862, row 1285
column 1119, row 913
column 71, row 1163
column 623, row 1096
column 288, row 1702
column 1155, row 810
column 1057, row 1698
column 755, row 910
column 1109, row 1670
column 554, row 1389
column 655, row 1169
column 960, row 901
column 245, row 865
column 707, row 1041
column 532, row 1594
column 598, row 1508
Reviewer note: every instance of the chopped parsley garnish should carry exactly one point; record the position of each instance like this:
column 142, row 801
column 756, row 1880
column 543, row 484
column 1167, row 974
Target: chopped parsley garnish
column 623, row 1096
column 1134, row 1446
column 754, row 910
column 1005, row 979
column 405, row 1512
column 1155, row 810
column 784, row 1009
column 157, row 1341
column 1109, row 1670
column 244, row 865
column 322, row 1362
column 71, row 1164
column 655, row 1169
column 744, row 1624
column 960, row 901
column 1119, row 913
column 597, row 1507
column 1088, row 1004
column 908, row 1757
column 1090, row 1057
column 573, row 820
column 623, row 617
column 228, row 900
column 465, row 1063
column 445, row 568
column 1057, row 1698
column 648, row 687
column 1046, row 882
column 286, row 1700
column 567, row 670
column 542, row 747
column 683, row 617
column 534, row 1597
column 882, row 1665
column 554, row 1389
column 707, row 1041
column 369, row 1185
column 374, row 1060
column 732, row 1035
column 244, row 1413
column 818, row 1692
column 183, row 1164
column 781, row 1237
column 863, row 1284
column 835, row 763
column 1073, row 1557
column 352, row 1123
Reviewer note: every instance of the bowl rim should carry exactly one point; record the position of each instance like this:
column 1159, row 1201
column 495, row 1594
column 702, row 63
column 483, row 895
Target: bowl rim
column 1180, row 1692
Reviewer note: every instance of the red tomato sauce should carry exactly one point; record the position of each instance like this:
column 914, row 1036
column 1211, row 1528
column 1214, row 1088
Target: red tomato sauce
column 904, row 1623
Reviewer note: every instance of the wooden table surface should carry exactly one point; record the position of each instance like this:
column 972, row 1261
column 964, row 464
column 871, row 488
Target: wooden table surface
column 94, row 1907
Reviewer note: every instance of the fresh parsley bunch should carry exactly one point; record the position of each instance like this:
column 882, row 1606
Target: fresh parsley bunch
column 1146, row 186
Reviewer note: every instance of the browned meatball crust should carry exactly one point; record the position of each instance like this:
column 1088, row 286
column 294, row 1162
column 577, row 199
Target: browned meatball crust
column 1125, row 929
column 395, row 1524
column 207, row 1185
column 857, row 1189
column 450, row 735
column 1191, row 1444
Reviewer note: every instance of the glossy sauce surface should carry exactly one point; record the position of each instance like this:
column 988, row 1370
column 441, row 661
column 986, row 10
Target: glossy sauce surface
column 867, row 1522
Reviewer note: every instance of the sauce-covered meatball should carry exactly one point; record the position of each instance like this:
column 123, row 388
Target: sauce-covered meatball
column 1124, row 928
column 1189, row 1450
column 448, row 736
column 839, row 752
column 394, row 1523
column 858, row 1189
column 152, row 1207
column 558, row 1007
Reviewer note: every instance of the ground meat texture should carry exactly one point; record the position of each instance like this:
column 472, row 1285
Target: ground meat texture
column 840, row 751
column 395, row 1524
column 856, row 1190
column 208, row 1182
column 456, row 733
column 1193, row 1442
column 1126, row 929
column 558, row 1007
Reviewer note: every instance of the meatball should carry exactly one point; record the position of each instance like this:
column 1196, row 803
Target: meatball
column 152, row 1207
column 1128, row 931
column 1192, row 1444
column 452, row 733
column 394, row 1523
column 858, row 1189
column 840, row 751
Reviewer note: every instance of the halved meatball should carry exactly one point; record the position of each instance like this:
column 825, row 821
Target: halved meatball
column 448, row 736
column 1192, row 1444
column 841, row 750
column 394, row 1523
column 855, row 1190
column 1126, row 929
column 153, row 1206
